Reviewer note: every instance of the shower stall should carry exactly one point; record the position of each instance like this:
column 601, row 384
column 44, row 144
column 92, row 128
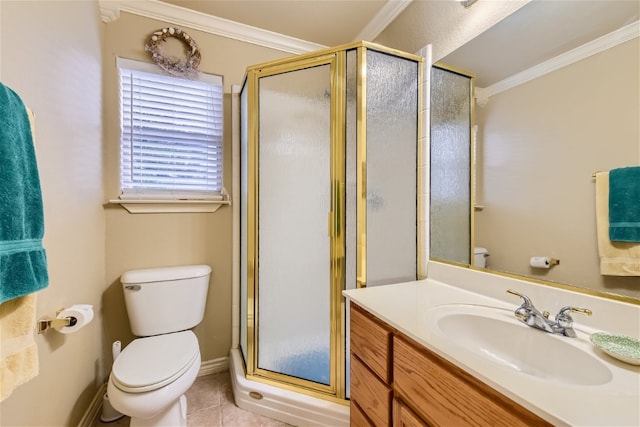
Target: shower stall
column 328, row 200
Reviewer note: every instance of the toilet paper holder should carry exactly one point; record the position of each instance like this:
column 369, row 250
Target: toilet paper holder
column 543, row 262
column 45, row 324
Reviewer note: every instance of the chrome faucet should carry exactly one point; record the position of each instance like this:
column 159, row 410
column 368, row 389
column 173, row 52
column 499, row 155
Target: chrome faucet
column 528, row 314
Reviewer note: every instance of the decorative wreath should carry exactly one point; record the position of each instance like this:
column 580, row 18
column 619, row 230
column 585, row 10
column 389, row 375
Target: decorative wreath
column 186, row 67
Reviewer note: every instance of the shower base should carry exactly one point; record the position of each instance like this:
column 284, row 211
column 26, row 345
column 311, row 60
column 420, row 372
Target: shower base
column 284, row 405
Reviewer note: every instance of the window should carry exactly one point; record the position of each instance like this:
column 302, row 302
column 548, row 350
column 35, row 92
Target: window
column 171, row 135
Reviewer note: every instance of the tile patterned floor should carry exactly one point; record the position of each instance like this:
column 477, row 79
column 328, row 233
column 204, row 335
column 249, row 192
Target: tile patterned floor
column 210, row 404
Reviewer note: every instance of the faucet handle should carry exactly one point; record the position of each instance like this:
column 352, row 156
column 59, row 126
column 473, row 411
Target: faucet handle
column 564, row 319
column 526, row 300
column 584, row 311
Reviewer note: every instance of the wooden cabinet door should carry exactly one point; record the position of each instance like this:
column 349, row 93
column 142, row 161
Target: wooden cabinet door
column 445, row 395
column 405, row 417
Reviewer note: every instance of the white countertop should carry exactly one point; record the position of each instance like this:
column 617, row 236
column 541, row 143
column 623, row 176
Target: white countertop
column 615, row 403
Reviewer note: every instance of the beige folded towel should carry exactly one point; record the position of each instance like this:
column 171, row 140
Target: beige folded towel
column 18, row 351
column 616, row 258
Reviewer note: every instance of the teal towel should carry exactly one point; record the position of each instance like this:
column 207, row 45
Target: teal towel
column 23, row 261
column 624, row 204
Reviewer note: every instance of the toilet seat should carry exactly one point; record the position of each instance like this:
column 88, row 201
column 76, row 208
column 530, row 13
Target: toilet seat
column 153, row 362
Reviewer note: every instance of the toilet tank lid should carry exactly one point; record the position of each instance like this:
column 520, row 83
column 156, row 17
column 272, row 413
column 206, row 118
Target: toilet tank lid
column 165, row 273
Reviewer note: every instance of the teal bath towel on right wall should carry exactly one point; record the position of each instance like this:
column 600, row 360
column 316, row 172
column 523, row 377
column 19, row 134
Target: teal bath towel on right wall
column 624, row 204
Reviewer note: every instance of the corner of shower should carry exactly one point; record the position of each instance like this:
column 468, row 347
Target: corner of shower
column 321, row 145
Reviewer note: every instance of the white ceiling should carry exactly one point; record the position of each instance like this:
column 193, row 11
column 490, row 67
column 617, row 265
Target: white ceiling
column 325, row 22
column 537, row 32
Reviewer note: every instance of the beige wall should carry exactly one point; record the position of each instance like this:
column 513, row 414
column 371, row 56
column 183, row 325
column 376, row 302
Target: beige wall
column 154, row 240
column 538, row 145
column 51, row 56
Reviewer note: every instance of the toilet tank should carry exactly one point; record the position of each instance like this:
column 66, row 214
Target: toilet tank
column 480, row 257
column 165, row 300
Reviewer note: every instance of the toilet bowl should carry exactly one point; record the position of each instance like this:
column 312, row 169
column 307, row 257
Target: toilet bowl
column 151, row 375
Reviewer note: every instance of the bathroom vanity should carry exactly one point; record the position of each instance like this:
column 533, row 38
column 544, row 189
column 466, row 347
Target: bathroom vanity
column 431, row 353
column 390, row 370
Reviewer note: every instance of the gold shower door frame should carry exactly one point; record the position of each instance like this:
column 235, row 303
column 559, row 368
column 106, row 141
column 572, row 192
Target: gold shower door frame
column 335, row 389
column 336, row 59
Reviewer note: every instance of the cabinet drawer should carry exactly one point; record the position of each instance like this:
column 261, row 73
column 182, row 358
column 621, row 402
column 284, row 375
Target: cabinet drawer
column 405, row 417
column 372, row 395
column 371, row 342
column 357, row 418
column 445, row 395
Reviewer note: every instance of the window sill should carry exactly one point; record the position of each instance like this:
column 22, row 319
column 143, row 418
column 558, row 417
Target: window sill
column 170, row 206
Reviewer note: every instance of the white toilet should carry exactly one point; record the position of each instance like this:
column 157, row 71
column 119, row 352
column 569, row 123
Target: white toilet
column 151, row 375
column 480, row 257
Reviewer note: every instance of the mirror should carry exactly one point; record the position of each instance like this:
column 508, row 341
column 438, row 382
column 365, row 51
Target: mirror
column 557, row 100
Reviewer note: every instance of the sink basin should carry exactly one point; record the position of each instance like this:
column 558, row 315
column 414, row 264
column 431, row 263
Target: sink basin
column 497, row 336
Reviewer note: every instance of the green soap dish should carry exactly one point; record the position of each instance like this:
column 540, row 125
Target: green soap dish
column 621, row 347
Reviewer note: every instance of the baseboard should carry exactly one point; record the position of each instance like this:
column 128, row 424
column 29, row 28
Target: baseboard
column 92, row 414
column 214, row 366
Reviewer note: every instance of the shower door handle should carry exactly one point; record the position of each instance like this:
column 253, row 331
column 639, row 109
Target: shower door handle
column 330, row 224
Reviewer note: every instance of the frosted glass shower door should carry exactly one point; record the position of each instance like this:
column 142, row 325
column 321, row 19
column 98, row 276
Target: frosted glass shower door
column 391, row 173
column 294, row 268
column 451, row 116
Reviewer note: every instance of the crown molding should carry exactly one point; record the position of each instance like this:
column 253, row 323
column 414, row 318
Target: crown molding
column 383, row 18
column 109, row 10
column 588, row 49
column 207, row 23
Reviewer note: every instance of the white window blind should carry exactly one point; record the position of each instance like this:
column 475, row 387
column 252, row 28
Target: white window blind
column 171, row 135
